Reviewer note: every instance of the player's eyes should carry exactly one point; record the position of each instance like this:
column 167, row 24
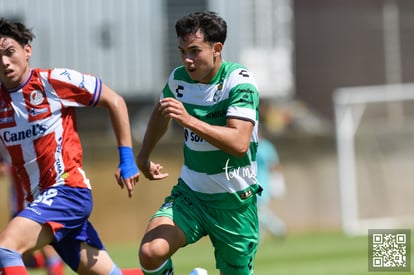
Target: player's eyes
column 191, row 51
column 195, row 51
column 9, row 52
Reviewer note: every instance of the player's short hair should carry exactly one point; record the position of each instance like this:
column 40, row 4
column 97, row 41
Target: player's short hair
column 16, row 31
column 208, row 23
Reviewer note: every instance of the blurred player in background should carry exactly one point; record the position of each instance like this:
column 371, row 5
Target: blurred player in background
column 46, row 257
column 216, row 102
column 38, row 129
column 271, row 178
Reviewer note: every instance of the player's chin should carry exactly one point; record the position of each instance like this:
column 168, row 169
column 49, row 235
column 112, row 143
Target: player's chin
column 193, row 74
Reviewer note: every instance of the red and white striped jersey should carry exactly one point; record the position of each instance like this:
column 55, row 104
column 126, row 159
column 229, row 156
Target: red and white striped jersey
column 38, row 128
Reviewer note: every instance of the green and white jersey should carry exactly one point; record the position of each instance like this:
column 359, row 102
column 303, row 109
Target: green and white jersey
column 214, row 175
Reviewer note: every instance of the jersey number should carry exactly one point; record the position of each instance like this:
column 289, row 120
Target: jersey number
column 46, row 197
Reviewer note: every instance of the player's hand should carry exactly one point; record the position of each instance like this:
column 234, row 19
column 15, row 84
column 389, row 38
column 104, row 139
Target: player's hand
column 152, row 171
column 172, row 108
column 127, row 174
column 129, row 183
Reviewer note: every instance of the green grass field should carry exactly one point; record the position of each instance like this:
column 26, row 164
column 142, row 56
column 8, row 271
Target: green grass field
column 297, row 254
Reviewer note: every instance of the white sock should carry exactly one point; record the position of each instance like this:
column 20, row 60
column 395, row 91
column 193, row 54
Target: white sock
column 199, row 271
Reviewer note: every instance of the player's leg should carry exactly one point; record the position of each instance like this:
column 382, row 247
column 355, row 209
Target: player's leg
column 271, row 222
column 176, row 223
column 161, row 240
column 53, row 262
column 98, row 261
column 235, row 237
column 87, row 259
column 21, row 235
column 34, row 259
column 83, row 251
column 47, row 258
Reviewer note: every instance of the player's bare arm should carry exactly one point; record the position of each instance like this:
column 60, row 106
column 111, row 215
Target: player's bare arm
column 223, row 137
column 157, row 127
column 118, row 112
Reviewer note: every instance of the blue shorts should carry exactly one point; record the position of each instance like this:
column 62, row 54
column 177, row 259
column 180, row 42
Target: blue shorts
column 66, row 210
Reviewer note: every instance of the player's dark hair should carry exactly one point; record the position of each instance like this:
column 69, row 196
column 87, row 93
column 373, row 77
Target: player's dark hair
column 16, row 31
column 208, row 23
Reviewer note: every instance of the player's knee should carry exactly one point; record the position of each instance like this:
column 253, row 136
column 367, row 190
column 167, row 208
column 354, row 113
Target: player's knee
column 148, row 255
column 152, row 254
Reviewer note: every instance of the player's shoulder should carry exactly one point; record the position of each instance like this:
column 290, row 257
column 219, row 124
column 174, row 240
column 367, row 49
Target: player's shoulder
column 232, row 70
column 235, row 74
column 55, row 72
column 63, row 73
column 70, row 76
column 231, row 67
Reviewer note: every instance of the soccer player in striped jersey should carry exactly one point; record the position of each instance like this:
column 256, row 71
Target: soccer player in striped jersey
column 38, row 129
column 216, row 103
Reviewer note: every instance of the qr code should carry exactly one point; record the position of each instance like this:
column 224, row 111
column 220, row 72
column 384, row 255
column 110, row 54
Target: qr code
column 389, row 250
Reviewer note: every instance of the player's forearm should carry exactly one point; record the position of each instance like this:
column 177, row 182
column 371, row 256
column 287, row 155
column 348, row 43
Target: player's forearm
column 118, row 112
column 232, row 139
column 156, row 129
column 120, row 123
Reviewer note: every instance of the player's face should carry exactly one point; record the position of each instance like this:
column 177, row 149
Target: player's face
column 201, row 59
column 14, row 62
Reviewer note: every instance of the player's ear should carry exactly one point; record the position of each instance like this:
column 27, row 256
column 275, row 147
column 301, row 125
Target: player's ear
column 28, row 50
column 217, row 48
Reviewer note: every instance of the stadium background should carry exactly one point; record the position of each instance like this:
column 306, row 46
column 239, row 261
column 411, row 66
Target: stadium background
column 334, row 43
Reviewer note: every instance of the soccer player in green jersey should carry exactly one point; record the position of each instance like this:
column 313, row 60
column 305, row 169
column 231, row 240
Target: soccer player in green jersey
column 216, row 102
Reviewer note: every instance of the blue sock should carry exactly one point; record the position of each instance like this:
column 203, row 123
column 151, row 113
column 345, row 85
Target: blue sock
column 11, row 262
column 10, row 258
